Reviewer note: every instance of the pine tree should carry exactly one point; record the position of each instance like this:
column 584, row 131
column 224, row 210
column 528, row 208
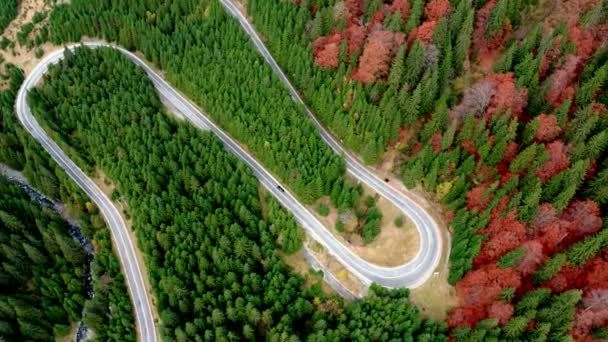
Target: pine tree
column 510, row 259
column 584, row 250
column 413, row 175
column 505, row 62
column 438, row 122
column 574, row 176
column 523, row 159
column 550, row 268
column 414, row 63
column 561, row 112
column 394, row 22
column 415, row 14
column 531, row 201
column 497, row 17
column 587, row 90
column 430, row 180
column 583, row 123
column 598, row 187
column 430, row 87
column 448, row 137
column 530, row 131
column 446, row 70
column 397, row 69
column 412, row 108
column 372, row 7
column 515, row 327
column 527, row 71
column 343, row 53
column 463, row 42
column 441, row 35
column 317, row 27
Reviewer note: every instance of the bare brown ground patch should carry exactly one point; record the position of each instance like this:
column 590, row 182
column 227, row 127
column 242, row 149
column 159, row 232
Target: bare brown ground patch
column 71, row 336
column 346, row 278
column 298, row 264
column 394, row 246
column 108, row 187
column 20, row 55
column 436, row 296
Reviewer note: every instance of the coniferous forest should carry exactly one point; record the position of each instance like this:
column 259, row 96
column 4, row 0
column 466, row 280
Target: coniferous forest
column 498, row 110
column 42, row 277
column 196, row 212
column 109, row 313
column 42, row 290
column 495, row 109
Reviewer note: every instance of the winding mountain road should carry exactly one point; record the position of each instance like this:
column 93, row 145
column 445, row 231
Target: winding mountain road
column 410, row 275
column 418, row 270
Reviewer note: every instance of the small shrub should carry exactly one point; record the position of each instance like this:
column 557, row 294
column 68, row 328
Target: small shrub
column 39, row 53
column 323, row 209
column 399, row 221
column 38, row 17
column 340, row 226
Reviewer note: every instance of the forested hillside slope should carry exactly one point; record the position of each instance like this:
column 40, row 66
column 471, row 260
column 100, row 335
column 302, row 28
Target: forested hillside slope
column 498, row 109
column 109, row 313
column 42, row 281
column 211, row 60
column 196, row 212
column 43, row 289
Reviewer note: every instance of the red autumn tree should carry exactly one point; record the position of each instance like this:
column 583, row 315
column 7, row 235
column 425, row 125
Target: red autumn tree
column 548, row 228
column 483, row 286
column 375, row 60
column 558, row 161
column 495, row 93
column 501, row 310
column 569, row 277
column 597, row 276
column 401, row 5
column 563, row 78
column 378, row 17
column 325, row 50
column 552, row 236
column 584, row 41
column 592, row 314
column 532, row 258
column 466, row 316
column 507, row 96
column 503, row 234
column 481, row 41
column 436, row 9
column 423, row 32
column 469, row 146
column 355, row 35
column 585, row 217
column 548, row 129
column 545, row 216
column 436, row 141
column 476, row 198
column 352, row 11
